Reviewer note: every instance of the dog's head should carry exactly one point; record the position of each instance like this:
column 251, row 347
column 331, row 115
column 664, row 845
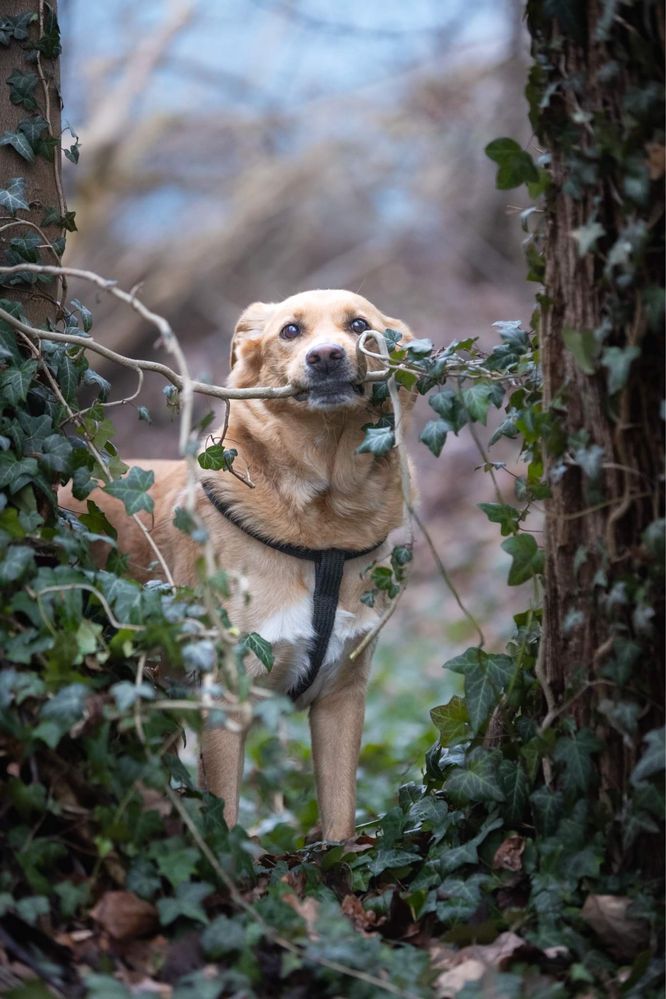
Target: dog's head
column 309, row 340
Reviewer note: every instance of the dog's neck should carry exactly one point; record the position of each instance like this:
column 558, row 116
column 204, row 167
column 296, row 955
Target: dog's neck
column 311, row 487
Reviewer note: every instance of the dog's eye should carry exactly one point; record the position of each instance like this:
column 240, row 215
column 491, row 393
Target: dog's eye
column 359, row 325
column 290, row 331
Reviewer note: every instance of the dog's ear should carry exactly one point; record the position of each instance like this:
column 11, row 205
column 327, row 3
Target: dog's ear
column 250, row 326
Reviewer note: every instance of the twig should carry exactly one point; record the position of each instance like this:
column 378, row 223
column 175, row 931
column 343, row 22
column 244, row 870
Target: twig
column 63, row 587
column 405, row 478
column 447, row 579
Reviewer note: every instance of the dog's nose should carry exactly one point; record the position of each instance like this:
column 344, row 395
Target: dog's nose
column 325, row 358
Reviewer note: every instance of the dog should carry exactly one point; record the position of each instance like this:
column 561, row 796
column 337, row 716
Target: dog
column 311, row 492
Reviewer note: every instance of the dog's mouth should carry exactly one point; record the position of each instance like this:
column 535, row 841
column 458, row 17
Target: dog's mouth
column 330, row 394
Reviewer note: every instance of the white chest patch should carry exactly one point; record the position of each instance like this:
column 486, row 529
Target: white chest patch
column 291, row 633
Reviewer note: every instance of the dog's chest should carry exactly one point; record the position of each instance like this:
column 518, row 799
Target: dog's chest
column 291, row 633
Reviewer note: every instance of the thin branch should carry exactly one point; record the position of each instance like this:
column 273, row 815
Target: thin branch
column 447, row 579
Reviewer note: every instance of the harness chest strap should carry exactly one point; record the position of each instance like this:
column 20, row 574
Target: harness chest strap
column 329, row 565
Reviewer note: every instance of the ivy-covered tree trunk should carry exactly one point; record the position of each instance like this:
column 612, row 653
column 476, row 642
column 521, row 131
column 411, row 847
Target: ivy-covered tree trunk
column 596, row 94
column 31, row 197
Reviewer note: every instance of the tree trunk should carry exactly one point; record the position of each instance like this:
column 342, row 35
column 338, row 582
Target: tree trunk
column 37, row 161
column 595, row 95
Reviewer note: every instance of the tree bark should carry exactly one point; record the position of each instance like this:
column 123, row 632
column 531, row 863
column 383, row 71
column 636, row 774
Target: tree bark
column 42, row 176
column 596, row 109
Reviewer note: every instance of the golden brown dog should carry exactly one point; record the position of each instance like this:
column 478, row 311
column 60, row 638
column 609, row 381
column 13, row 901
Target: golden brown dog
column 312, row 489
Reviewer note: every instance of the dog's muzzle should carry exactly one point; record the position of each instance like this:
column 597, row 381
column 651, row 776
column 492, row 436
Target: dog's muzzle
column 329, row 379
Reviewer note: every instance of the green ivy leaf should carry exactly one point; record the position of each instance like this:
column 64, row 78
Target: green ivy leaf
column 433, row 436
column 217, row 458
column 19, row 142
column 461, row 897
column 262, row 649
column 452, row 722
column 528, row 559
column 503, row 514
column 515, row 786
column 515, row 166
column 586, row 236
column 223, row 936
column 133, row 490
column 617, row 361
column 15, row 563
column 378, row 441
column 477, row 780
column 186, row 903
column 584, row 347
column 574, row 753
column 418, row 348
column 13, row 197
column 450, row 408
column 15, row 382
column 21, row 88
column 653, row 759
column 478, row 397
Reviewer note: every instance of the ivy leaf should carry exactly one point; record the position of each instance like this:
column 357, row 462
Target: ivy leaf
column 450, row 407
column 389, row 859
column 617, row 361
column 19, row 142
column 477, row 399
column 15, row 382
column 433, row 436
column 13, row 196
column 481, row 695
column 33, row 129
column 574, row 753
column 200, row 656
column 126, row 694
column 462, row 897
column 91, row 377
column 584, row 347
column 547, row 807
column 476, row 781
column 262, row 649
column 377, row 441
column 515, row 166
column 15, row 563
column 503, row 514
column 528, row 559
column 132, row 490
column 418, row 348
column 187, row 903
column 587, row 235
column 21, row 88
column 56, row 454
column 223, row 936
column 217, row 458
column 452, row 722
column 652, row 760
column 515, row 786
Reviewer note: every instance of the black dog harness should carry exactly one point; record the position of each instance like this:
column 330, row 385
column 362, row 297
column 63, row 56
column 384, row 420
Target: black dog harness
column 329, row 564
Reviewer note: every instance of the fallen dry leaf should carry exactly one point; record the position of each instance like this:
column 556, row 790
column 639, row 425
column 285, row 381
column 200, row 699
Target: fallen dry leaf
column 124, row 915
column 364, row 920
column 450, row 982
column 509, row 854
column 471, row 963
column 623, row 934
column 307, row 909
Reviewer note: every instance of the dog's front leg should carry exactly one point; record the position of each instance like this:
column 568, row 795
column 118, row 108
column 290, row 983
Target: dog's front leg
column 221, row 767
column 336, row 725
